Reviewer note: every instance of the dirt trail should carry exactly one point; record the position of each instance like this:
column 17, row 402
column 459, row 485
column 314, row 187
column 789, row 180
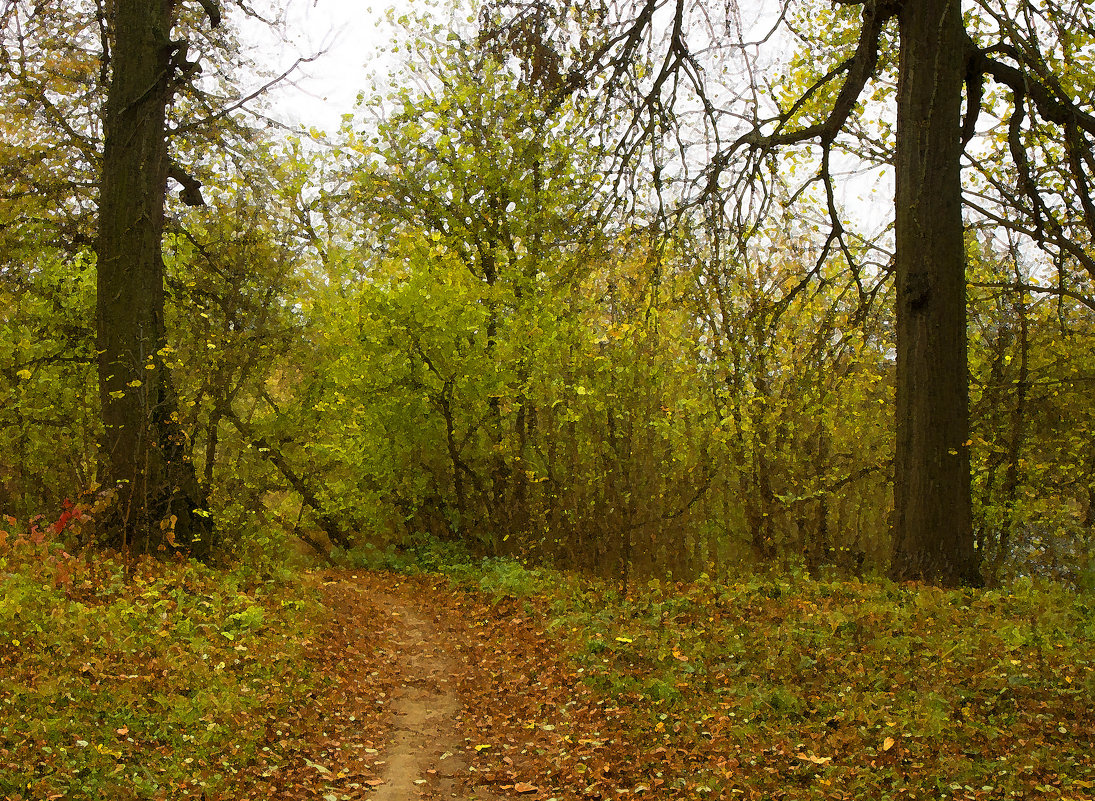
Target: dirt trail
column 424, row 693
column 421, row 760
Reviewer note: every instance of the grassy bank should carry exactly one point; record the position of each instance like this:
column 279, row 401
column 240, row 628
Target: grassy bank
column 142, row 680
column 787, row 687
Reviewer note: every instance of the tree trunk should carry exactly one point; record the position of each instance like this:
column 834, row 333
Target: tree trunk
column 933, row 533
column 159, row 501
column 1017, row 434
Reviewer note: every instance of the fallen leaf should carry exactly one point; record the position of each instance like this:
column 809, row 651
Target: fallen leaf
column 887, row 744
column 524, row 787
column 374, row 782
column 814, row 759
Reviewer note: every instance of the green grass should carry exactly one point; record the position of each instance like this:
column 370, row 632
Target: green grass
column 795, row 688
column 148, row 681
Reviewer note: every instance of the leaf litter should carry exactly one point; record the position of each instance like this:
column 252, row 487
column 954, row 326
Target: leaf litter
column 422, row 687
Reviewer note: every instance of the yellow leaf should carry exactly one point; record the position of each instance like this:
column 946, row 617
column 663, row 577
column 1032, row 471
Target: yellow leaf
column 624, row 639
column 24, row 374
column 887, row 744
column 482, row 747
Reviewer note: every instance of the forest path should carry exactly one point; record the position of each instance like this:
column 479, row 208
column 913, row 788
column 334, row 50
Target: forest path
column 427, row 692
column 421, row 758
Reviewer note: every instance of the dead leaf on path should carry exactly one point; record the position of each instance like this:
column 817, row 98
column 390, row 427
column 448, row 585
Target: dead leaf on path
column 814, row 759
column 887, row 744
column 374, row 782
column 524, row 787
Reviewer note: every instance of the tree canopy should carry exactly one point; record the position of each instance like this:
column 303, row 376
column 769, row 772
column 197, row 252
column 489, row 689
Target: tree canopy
column 591, row 286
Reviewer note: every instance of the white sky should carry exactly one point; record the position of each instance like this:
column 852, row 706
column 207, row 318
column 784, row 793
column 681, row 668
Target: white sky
column 352, row 33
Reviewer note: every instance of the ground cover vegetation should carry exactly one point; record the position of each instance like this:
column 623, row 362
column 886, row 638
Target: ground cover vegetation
column 782, row 687
column 553, row 298
column 157, row 680
column 139, row 679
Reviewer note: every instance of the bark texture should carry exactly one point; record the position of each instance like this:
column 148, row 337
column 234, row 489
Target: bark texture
column 933, row 537
column 158, row 499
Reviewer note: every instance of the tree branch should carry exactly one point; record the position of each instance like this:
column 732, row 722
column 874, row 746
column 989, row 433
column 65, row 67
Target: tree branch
column 332, row 527
column 212, row 10
column 224, row 112
column 1018, row 286
column 860, row 67
column 1022, row 84
column 191, row 192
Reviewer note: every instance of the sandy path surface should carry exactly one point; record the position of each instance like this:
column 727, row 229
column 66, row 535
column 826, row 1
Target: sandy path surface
column 421, row 760
column 426, row 693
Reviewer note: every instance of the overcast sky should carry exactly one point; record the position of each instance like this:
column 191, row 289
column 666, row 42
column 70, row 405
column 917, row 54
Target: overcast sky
column 352, row 34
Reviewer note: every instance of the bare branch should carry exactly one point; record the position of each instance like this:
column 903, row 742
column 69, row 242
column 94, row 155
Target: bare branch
column 212, row 10
column 860, row 67
column 224, row 112
column 1019, row 286
column 191, row 193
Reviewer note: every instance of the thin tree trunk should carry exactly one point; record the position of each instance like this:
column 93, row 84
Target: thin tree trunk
column 1016, row 438
column 335, row 530
column 933, row 533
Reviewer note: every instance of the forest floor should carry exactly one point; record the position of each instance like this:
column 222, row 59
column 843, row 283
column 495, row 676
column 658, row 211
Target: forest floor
column 430, row 695
column 488, row 680
column 506, row 688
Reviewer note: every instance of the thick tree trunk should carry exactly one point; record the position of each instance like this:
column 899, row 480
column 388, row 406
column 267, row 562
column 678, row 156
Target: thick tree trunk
column 933, row 534
column 144, row 455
